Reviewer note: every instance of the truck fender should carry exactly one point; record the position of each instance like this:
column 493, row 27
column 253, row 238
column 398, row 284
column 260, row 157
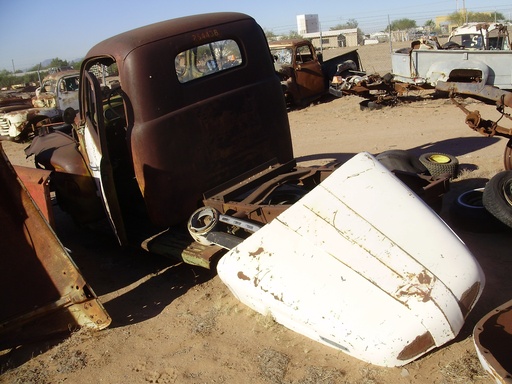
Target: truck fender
column 71, row 180
column 23, row 121
column 458, row 71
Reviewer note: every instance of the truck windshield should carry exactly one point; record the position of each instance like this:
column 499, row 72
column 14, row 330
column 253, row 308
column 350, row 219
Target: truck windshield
column 282, row 55
column 470, row 40
column 207, row 59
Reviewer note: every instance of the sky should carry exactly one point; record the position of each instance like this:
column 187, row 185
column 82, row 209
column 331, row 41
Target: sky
column 33, row 31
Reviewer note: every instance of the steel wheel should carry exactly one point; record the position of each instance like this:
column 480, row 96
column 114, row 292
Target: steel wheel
column 440, row 163
column 507, row 156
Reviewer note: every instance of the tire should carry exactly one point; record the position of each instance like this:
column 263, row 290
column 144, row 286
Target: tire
column 469, row 213
column 497, row 197
column 401, row 160
column 507, row 156
column 440, row 163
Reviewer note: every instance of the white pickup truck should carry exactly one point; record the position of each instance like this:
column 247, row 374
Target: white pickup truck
column 477, row 53
column 58, row 92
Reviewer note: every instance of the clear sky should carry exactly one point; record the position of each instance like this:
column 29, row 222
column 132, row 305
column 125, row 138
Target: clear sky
column 32, row 31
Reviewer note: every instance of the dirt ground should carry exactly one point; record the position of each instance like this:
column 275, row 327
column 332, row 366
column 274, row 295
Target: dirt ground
column 173, row 323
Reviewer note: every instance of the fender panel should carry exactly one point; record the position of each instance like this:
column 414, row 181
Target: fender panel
column 444, row 70
column 73, row 184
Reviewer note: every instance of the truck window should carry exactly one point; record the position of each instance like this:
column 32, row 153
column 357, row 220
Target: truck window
column 471, row 41
column 304, row 54
column 207, row 59
column 282, row 56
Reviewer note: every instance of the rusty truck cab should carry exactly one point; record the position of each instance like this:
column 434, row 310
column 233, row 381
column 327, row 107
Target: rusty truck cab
column 197, row 105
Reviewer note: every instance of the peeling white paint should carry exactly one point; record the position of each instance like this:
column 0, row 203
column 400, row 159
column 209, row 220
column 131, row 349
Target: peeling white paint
column 349, row 266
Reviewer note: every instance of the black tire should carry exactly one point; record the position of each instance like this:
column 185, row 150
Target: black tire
column 497, row 197
column 401, row 160
column 440, row 163
column 507, row 156
column 469, row 213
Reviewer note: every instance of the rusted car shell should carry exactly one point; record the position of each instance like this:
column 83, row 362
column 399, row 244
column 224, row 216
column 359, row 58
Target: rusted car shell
column 58, row 92
column 219, row 112
column 43, row 292
column 305, row 80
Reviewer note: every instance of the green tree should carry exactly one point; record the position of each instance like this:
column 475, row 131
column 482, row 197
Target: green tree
column 291, row 35
column 460, row 18
column 402, row 25
column 350, row 24
column 271, row 36
column 58, row 63
column 430, row 25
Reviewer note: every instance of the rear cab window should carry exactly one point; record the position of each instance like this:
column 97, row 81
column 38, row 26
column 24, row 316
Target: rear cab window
column 207, row 59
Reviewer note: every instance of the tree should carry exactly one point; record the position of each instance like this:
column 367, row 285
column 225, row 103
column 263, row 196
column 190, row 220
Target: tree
column 350, row 24
column 58, row 63
column 402, row 25
column 460, row 18
column 430, row 25
column 271, row 36
column 291, row 35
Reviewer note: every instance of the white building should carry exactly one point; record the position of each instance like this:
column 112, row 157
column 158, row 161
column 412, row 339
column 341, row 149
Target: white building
column 333, row 39
column 307, row 24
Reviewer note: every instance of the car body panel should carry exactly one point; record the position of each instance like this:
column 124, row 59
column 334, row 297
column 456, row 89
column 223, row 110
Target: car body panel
column 47, row 294
column 344, row 267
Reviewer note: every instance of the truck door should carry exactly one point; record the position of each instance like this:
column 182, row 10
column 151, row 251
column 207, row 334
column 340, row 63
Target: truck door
column 93, row 138
column 308, row 73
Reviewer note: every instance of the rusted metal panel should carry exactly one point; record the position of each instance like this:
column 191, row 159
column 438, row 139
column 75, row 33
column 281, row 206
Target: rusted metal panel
column 493, row 342
column 44, row 293
column 37, row 183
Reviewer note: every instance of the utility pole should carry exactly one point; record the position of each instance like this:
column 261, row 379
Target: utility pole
column 390, row 42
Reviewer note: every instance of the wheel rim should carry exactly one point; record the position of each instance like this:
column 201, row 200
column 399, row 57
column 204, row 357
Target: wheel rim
column 439, row 158
column 507, row 192
column 508, row 156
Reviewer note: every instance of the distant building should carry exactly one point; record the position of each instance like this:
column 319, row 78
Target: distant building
column 444, row 25
column 307, row 24
column 333, row 39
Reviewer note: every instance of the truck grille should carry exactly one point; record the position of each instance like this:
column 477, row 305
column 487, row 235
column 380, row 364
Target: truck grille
column 4, row 127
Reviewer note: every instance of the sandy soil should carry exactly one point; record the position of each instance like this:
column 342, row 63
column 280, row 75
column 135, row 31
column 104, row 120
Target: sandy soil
column 173, row 323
